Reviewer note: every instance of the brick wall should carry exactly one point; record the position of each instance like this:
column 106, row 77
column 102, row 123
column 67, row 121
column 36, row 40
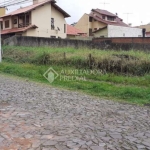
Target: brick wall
column 123, row 43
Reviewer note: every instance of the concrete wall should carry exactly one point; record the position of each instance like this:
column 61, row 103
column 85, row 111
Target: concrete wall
column 97, row 43
column 119, row 31
column 48, row 42
column 71, row 36
column 79, row 37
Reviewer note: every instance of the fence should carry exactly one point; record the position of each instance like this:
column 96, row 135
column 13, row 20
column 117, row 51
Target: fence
column 97, row 43
column 49, row 42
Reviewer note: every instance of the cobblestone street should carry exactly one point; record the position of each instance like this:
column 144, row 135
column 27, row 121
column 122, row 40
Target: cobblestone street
column 35, row 116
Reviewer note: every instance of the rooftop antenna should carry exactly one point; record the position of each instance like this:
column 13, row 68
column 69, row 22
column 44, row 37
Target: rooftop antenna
column 104, row 3
column 127, row 16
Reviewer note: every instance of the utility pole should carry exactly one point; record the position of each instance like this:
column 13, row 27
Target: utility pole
column 104, row 3
column 127, row 16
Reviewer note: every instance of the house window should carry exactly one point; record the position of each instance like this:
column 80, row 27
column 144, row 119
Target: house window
column 64, row 28
column 15, row 21
column 90, row 19
column 2, row 25
column 103, row 17
column 7, row 24
column 110, row 18
column 52, row 24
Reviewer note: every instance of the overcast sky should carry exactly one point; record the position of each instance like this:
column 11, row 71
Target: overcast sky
column 140, row 13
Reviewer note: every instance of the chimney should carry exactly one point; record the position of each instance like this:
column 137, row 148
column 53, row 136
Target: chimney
column 2, row 11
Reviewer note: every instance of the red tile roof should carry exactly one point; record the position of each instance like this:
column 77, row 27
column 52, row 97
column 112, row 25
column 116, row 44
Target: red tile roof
column 31, row 7
column 73, row 31
column 15, row 30
column 96, row 14
column 104, row 12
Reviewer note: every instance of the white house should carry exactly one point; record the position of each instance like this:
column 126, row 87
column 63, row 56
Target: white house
column 118, row 31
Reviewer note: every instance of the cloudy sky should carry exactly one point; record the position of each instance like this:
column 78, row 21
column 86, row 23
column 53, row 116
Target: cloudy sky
column 139, row 10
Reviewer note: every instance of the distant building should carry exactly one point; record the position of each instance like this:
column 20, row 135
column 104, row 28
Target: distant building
column 147, row 27
column 118, row 31
column 42, row 19
column 98, row 19
column 73, row 32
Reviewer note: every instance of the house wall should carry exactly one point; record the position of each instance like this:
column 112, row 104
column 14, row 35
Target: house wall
column 41, row 18
column 60, row 22
column 83, row 24
column 31, row 32
column 119, row 31
column 101, row 33
column 97, row 24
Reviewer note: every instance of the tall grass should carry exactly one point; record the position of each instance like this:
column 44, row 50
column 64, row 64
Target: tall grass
column 116, row 62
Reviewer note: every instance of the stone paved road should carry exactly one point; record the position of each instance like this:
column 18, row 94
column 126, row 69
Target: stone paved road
column 38, row 117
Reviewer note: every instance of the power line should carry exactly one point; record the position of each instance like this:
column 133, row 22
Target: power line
column 14, row 2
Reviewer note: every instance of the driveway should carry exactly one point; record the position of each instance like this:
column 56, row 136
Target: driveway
column 35, row 116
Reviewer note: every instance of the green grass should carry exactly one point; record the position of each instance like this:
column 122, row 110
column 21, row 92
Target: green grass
column 116, row 62
column 125, row 89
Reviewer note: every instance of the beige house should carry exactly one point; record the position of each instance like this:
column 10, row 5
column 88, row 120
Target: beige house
column 42, row 19
column 147, row 29
column 98, row 19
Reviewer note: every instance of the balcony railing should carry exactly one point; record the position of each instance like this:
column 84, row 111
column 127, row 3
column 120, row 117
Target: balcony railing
column 22, row 25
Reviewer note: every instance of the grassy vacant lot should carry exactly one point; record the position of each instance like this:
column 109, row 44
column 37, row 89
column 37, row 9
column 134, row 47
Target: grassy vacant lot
column 123, row 75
